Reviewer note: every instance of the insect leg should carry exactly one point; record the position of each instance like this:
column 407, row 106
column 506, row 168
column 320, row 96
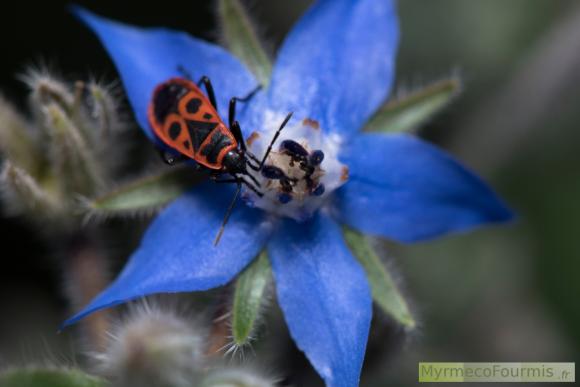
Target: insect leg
column 251, row 186
column 186, row 74
column 248, row 96
column 255, row 167
column 254, row 158
column 228, row 213
column 234, row 100
column 236, row 130
column 253, row 179
column 209, row 89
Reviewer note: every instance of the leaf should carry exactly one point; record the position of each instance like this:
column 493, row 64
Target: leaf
column 242, row 40
column 248, row 297
column 384, row 290
column 145, row 194
column 409, row 112
column 48, row 378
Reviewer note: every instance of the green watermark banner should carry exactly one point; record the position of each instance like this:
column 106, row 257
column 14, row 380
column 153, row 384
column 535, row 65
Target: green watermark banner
column 497, row 372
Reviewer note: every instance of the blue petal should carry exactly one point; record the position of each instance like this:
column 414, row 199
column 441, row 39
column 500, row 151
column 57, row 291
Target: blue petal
column 177, row 252
column 325, row 297
column 405, row 189
column 146, row 57
column 337, row 64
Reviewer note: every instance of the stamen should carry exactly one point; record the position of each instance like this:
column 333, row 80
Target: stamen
column 301, row 170
column 284, row 198
column 316, row 157
column 319, row 190
column 293, row 148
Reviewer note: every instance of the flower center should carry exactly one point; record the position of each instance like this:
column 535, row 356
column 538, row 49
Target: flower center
column 301, row 171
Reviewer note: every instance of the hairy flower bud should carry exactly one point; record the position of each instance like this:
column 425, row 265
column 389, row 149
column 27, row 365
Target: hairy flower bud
column 22, row 192
column 153, row 348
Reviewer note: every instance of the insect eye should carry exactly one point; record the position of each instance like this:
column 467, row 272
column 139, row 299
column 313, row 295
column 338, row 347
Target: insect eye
column 316, row 157
column 272, row 172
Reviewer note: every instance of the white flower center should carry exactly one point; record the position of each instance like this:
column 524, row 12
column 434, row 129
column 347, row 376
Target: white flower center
column 301, row 171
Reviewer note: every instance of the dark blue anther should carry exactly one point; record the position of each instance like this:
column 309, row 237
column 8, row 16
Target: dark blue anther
column 293, row 148
column 318, row 190
column 284, row 198
column 316, row 158
column 273, row 173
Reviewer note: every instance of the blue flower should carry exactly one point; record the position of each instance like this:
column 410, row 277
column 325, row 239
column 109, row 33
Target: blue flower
column 333, row 71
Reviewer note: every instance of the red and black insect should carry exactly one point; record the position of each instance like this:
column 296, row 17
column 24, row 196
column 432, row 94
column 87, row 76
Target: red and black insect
column 187, row 121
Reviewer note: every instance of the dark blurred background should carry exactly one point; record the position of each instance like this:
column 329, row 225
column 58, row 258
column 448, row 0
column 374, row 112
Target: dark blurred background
column 501, row 294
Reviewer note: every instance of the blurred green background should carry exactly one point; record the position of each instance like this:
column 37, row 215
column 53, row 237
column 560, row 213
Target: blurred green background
column 507, row 293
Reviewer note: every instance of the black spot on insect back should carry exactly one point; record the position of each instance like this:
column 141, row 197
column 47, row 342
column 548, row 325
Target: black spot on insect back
column 174, row 130
column 165, row 100
column 193, row 105
column 207, row 116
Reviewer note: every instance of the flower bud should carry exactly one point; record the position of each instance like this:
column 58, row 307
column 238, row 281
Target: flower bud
column 153, row 348
column 22, row 192
column 46, row 89
column 73, row 161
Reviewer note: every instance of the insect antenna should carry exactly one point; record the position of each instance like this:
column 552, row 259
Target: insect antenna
column 275, row 138
column 227, row 215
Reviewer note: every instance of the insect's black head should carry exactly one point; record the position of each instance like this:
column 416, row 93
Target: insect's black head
column 235, row 162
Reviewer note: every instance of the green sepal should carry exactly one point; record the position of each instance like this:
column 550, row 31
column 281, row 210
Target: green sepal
column 240, row 37
column 145, row 194
column 384, row 289
column 48, row 378
column 248, row 297
column 409, row 112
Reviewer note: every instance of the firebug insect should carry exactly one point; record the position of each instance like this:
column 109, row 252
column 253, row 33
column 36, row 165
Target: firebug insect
column 187, row 121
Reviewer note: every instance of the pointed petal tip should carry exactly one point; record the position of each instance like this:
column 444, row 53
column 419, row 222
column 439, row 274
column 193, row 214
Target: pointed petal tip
column 177, row 255
column 71, row 321
column 425, row 192
column 503, row 213
column 90, row 309
column 321, row 57
column 325, row 297
column 81, row 13
column 146, row 56
column 495, row 215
